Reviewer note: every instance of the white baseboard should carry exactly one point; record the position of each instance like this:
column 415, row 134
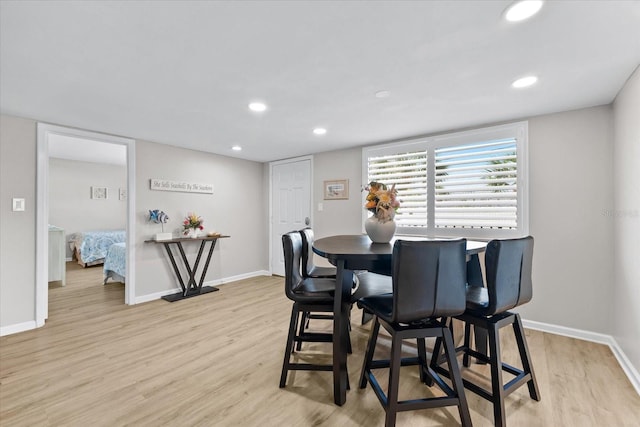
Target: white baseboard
column 237, row 277
column 154, row 296
column 217, row 282
column 18, row 327
column 630, row 371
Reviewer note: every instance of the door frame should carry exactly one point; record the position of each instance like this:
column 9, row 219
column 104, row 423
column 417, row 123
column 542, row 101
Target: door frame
column 42, row 211
column 311, row 199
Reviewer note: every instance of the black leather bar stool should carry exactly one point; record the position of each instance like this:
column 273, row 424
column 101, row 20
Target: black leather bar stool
column 308, row 295
column 313, row 295
column 428, row 280
column 309, row 269
column 508, row 275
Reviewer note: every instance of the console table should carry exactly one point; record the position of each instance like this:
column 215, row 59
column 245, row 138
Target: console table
column 192, row 288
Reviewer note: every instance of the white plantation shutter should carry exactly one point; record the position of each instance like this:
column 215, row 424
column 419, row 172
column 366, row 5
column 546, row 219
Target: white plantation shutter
column 469, row 184
column 476, row 186
column 408, row 171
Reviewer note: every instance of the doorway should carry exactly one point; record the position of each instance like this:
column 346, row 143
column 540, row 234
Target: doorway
column 44, row 133
column 290, row 203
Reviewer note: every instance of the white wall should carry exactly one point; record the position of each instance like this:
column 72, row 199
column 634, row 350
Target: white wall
column 571, row 180
column 238, row 207
column 626, row 219
column 17, row 229
column 344, row 164
column 70, row 204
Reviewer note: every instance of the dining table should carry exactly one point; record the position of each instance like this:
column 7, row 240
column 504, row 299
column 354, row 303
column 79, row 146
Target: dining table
column 349, row 253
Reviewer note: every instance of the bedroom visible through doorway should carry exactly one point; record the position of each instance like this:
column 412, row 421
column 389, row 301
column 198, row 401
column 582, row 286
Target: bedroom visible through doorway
column 86, row 192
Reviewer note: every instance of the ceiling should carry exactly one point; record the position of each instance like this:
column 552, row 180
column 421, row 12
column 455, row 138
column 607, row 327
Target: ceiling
column 183, row 72
column 71, row 148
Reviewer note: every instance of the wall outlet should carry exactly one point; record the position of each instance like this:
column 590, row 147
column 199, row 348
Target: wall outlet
column 320, row 207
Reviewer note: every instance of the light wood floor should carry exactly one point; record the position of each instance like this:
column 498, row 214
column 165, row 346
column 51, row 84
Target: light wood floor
column 215, row 360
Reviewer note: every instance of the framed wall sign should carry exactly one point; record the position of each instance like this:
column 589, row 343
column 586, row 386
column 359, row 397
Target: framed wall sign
column 182, row 186
column 337, row 189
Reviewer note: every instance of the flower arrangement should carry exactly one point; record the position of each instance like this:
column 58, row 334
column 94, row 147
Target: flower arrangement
column 158, row 217
column 192, row 222
column 382, row 201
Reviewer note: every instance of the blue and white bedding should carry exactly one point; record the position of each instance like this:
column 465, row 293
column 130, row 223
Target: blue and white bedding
column 93, row 245
column 115, row 263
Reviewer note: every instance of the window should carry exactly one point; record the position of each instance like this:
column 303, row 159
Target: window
column 470, row 184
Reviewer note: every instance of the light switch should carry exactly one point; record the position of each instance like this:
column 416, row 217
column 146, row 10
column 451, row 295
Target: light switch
column 320, row 207
column 18, row 205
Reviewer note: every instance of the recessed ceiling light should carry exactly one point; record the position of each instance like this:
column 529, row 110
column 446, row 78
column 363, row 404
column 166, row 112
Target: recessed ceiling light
column 236, row 148
column 522, row 10
column 382, row 94
column 319, row 131
column 258, row 107
column 524, row 82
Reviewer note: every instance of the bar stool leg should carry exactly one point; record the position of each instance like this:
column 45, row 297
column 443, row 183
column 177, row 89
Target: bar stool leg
column 456, row 377
column 527, row 367
column 497, row 388
column 394, row 381
column 371, row 348
column 293, row 323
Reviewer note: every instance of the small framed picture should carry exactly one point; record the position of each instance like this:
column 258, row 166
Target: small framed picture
column 122, row 193
column 98, row 192
column 337, row 189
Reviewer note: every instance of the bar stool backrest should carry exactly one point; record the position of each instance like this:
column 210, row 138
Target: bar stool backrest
column 292, row 246
column 307, row 251
column 508, row 269
column 429, row 279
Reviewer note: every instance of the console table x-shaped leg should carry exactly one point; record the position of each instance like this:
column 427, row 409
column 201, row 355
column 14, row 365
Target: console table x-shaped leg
column 192, row 287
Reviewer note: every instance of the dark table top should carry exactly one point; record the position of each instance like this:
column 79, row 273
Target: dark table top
column 360, row 246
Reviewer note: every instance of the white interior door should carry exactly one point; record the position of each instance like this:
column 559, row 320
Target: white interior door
column 290, row 204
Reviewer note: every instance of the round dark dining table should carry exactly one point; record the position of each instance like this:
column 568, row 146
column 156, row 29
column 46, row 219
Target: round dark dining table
column 356, row 252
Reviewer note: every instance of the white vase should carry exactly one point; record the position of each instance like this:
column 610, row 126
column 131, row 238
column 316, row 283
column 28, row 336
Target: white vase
column 378, row 231
column 193, row 233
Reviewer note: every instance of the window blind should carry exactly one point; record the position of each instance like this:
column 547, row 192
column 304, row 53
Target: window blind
column 408, row 171
column 476, row 186
column 466, row 184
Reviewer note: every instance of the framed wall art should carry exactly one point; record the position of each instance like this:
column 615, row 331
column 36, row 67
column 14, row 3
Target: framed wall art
column 337, row 189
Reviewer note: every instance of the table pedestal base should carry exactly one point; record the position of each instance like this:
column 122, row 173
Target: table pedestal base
column 192, row 293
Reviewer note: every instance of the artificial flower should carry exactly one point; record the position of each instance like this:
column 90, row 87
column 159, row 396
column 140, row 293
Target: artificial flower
column 192, row 221
column 382, row 201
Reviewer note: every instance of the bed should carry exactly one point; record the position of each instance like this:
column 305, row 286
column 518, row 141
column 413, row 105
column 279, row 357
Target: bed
column 90, row 247
column 115, row 263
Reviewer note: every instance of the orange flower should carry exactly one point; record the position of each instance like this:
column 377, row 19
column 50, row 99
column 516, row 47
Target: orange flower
column 381, row 201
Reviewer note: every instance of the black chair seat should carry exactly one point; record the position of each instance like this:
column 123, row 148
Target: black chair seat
column 323, row 272
column 311, row 290
column 382, row 305
column 369, row 284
